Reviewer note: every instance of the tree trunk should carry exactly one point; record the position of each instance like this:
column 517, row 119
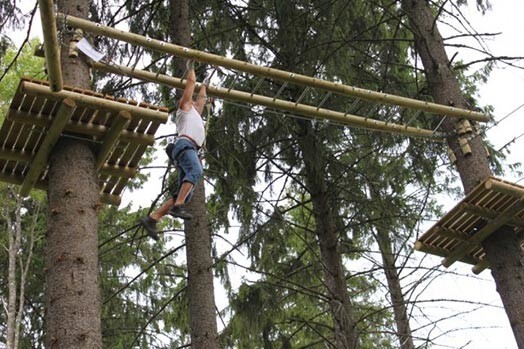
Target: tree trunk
column 72, row 297
column 14, row 247
column 346, row 334
column 72, row 291
column 395, row 290
column 16, row 280
column 202, row 314
column 502, row 248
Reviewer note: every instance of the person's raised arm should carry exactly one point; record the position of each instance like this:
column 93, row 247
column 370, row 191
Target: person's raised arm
column 187, row 97
column 201, row 99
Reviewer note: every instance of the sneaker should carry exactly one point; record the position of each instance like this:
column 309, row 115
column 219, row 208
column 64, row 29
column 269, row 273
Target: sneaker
column 180, row 212
column 149, row 225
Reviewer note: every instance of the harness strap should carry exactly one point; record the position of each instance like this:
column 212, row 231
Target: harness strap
column 190, row 139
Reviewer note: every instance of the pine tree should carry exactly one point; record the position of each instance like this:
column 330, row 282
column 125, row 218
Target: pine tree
column 72, row 285
column 502, row 248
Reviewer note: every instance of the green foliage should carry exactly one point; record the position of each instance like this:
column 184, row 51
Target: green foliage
column 32, row 214
column 26, row 65
column 143, row 285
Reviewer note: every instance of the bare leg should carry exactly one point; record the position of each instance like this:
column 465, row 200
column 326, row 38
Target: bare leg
column 162, row 210
column 184, row 191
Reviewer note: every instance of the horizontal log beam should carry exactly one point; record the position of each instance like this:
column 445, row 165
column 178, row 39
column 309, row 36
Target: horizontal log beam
column 13, row 155
column 118, row 171
column 504, row 188
column 422, row 247
column 301, row 109
column 94, row 102
column 276, row 74
column 84, row 128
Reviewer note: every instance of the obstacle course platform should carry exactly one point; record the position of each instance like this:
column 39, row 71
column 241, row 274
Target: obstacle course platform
column 120, row 129
column 458, row 235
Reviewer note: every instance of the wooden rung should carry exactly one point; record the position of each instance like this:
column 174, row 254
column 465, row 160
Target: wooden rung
column 483, row 233
column 39, row 161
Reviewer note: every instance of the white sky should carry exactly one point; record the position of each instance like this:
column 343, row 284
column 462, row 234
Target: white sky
column 504, row 92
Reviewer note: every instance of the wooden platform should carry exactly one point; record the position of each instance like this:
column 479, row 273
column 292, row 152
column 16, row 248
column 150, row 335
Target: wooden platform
column 120, row 129
column 458, row 235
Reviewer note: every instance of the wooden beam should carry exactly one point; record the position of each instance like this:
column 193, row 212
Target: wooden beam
column 276, row 74
column 110, row 199
column 490, row 214
column 84, row 128
column 450, row 233
column 422, row 247
column 302, row 109
column 31, row 88
column 483, row 233
column 9, row 154
column 118, row 171
column 480, row 266
column 504, row 188
column 119, row 123
column 64, row 113
column 51, row 45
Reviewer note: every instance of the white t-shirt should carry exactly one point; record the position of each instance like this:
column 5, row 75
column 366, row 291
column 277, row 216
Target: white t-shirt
column 190, row 123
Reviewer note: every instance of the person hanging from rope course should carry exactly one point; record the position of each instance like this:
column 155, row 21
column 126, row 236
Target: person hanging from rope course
column 191, row 137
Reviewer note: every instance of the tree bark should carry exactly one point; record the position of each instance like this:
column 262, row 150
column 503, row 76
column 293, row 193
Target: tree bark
column 395, row 290
column 16, row 280
column 72, row 293
column 345, row 329
column 72, row 290
column 202, row 314
column 502, row 248
column 14, row 247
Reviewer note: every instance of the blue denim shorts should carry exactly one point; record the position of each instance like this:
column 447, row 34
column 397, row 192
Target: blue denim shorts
column 186, row 155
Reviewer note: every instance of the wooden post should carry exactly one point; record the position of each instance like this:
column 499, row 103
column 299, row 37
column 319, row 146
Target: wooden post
column 111, row 137
column 51, row 45
column 276, row 74
column 39, row 161
column 293, row 107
